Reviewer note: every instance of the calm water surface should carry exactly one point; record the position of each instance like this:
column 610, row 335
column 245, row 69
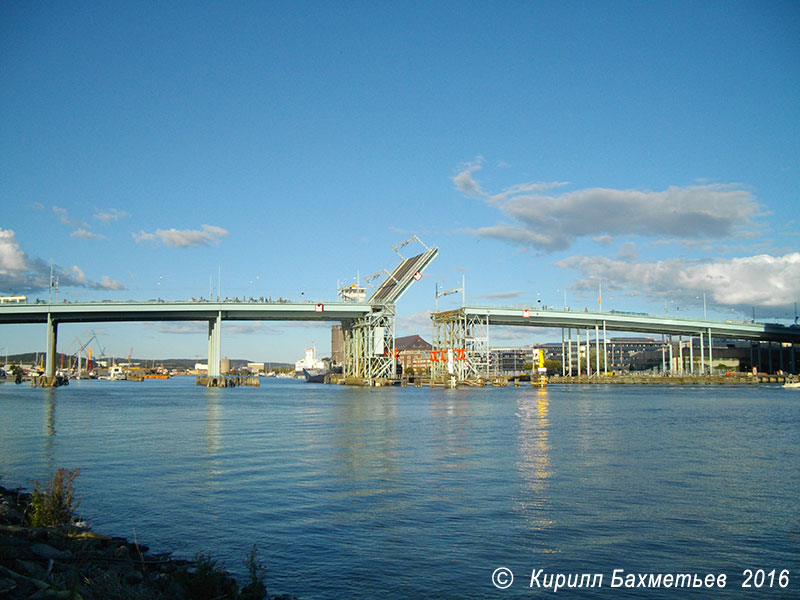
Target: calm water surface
column 423, row 493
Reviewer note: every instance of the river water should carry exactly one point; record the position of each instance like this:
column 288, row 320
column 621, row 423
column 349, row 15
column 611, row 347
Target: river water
column 423, row 493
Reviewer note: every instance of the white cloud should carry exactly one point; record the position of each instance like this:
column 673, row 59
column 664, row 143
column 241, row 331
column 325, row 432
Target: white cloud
column 554, row 221
column 254, row 327
column 518, row 235
column 603, row 240
column 144, row 237
column 762, row 280
column 110, row 214
column 22, row 274
column 106, row 283
column 63, row 216
column 79, row 274
column 182, row 238
column 465, row 183
column 418, row 323
column 627, row 251
column 86, row 235
column 501, row 295
column 188, row 327
column 509, row 333
column 11, row 257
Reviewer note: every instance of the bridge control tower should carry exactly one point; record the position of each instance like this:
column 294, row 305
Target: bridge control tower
column 369, row 352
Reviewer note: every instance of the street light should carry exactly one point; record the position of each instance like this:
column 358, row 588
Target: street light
column 565, row 297
column 705, row 316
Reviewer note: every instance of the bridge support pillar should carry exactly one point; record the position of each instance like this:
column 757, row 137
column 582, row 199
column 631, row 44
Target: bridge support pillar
column 588, row 352
column 702, row 355
column 569, row 350
column 710, row 353
column 214, row 345
column 671, row 357
column 597, row 349
column 769, row 356
column 50, row 351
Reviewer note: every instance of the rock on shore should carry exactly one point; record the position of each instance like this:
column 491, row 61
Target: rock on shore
column 46, row 563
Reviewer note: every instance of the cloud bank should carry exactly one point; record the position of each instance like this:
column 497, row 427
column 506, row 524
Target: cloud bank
column 740, row 283
column 21, row 274
column 538, row 218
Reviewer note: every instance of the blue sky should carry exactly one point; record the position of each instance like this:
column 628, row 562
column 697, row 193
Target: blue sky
column 542, row 146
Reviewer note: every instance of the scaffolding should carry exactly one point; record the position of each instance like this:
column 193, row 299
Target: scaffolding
column 369, row 352
column 460, row 345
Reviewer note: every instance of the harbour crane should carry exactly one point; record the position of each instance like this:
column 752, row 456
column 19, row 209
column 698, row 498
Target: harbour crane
column 76, row 357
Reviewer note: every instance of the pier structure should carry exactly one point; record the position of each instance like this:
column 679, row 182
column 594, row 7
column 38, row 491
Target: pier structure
column 461, row 337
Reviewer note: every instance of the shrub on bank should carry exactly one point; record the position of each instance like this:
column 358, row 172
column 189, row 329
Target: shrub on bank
column 42, row 554
column 53, row 504
column 255, row 589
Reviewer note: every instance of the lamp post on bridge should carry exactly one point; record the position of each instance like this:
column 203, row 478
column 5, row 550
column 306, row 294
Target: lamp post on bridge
column 705, row 315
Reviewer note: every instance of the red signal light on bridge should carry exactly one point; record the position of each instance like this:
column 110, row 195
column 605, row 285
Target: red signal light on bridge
column 319, row 307
column 526, row 313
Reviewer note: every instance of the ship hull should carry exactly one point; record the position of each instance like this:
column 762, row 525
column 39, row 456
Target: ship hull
column 315, row 375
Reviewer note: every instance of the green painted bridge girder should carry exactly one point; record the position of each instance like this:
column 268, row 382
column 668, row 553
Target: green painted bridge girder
column 635, row 323
column 212, row 312
column 79, row 312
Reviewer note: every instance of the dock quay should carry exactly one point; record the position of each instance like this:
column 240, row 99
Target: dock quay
column 525, row 380
column 228, row 381
column 734, row 379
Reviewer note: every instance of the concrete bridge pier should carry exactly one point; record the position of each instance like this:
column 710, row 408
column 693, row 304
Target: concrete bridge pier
column 214, row 345
column 50, row 350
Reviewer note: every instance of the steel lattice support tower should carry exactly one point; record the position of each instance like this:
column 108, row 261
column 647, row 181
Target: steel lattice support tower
column 369, row 351
column 460, row 337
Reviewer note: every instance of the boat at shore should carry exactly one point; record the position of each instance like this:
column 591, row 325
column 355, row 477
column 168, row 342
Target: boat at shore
column 792, row 385
column 311, row 367
column 316, row 375
column 115, row 373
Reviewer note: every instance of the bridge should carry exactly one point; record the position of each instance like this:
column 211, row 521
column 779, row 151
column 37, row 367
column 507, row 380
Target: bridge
column 367, row 326
column 467, row 330
column 461, row 336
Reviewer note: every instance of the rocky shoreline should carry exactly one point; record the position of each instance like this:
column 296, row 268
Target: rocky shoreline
column 68, row 563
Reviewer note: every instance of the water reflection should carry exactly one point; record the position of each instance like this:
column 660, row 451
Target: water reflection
column 212, row 433
column 49, row 428
column 534, row 463
column 365, row 439
column 451, row 419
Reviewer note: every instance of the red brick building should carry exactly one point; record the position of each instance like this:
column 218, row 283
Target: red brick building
column 414, row 352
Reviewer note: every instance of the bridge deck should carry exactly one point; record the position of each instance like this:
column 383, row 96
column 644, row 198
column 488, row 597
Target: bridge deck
column 627, row 322
column 77, row 312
